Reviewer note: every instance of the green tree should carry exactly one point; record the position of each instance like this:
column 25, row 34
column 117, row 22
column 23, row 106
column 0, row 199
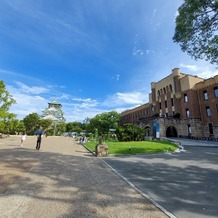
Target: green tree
column 32, row 123
column 20, row 127
column 60, row 128
column 6, row 100
column 196, row 29
column 75, row 127
column 120, row 132
column 45, row 124
column 103, row 122
column 130, row 132
column 12, row 125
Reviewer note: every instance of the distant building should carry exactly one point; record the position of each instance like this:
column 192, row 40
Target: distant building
column 180, row 105
column 53, row 112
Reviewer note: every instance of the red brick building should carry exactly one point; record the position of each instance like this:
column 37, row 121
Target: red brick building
column 180, row 105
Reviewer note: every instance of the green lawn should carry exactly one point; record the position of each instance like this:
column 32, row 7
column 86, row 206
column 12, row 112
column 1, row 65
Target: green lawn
column 141, row 147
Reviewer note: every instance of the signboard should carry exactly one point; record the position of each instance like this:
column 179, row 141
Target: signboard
column 156, row 130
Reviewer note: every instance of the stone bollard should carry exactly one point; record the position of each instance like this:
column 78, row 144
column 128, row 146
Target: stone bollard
column 101, row 150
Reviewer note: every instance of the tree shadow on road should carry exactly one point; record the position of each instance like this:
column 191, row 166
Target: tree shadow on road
column 179, row 182
column 84, row 186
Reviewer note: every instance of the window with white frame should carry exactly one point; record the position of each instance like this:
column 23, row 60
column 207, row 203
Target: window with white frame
column 189, row 129
column 185, row 97
column 208, row 110
column 187, row 112
column 205, row 95
column 216, row 91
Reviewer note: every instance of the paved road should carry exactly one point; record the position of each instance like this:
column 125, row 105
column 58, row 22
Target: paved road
column 63, row 180
column 185, row 184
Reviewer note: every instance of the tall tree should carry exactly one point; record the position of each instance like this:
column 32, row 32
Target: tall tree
column 197, row 28
column 6, row 100
column 20, row 127
column 32, row 123
column 103, row 122
column 45, row 124
column 75, row 127
column 60, row 128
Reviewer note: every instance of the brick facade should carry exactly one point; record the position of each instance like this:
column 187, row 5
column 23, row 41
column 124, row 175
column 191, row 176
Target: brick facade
column 193, row 99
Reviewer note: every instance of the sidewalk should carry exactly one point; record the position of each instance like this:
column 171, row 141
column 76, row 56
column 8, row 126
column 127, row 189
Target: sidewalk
column 63, row 180
column 196, row 143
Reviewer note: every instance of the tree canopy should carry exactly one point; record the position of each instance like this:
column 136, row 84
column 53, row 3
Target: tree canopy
column 197, row 29
column 6, row 100
column 104, row 122
column 32, row 123
column 75, row 127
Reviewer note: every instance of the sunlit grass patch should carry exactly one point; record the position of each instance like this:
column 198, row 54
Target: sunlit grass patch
column 136, row 147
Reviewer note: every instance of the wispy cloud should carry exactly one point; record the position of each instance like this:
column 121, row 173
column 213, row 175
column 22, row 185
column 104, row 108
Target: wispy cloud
column 189, row 67
column 116, row 77
column 129, row 98
column 85, row 103
column 203, row 71
column 208, row 73
column 31, row 90
column 27, row 104
column 17, row 75
column 153, row 15
column 136, row 51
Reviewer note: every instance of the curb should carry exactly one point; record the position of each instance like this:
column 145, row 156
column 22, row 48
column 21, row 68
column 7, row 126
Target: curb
column 141, row 192
column 137, row 189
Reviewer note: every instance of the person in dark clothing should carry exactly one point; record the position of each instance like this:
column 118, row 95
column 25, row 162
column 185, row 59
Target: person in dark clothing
column 38, row 142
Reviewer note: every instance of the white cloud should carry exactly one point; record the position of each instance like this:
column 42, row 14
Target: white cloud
column 79, row 115
column 129, row 98
column 189, row 67
column 33, row 90
column 147, row 51
column 204, row 71
column 84, row 102
column 176, row 14
column 116, row 77
column 27, row 104
column 21, row 76
column 207, row 74
column 82, row 99
column 137, row 52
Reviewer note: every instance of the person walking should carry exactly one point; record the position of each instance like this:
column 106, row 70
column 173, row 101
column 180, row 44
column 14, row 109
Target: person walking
column 23, row 138
column 83, row 140
column 38, row 142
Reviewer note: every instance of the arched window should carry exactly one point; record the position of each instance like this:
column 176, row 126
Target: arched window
column 185, row 97
column 171, row 88
column 189, row 129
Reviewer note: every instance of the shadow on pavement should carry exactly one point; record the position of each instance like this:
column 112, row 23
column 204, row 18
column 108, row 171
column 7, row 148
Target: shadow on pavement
column 183, row 183
column 83, row 186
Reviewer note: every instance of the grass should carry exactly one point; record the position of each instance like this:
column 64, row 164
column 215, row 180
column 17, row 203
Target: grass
column 139, row 147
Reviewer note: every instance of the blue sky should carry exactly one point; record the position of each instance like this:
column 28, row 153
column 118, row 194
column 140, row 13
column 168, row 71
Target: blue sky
column 92, row 56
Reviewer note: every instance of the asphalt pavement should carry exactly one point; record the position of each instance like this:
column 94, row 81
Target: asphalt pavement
column 184, row 183
column 63, row 179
